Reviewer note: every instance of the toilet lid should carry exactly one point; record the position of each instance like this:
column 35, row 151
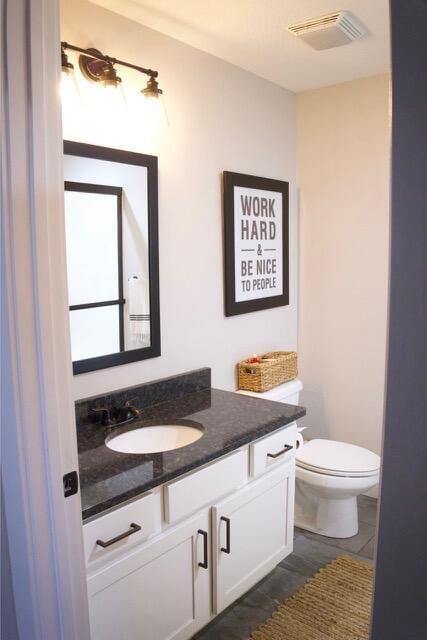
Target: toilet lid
column 337, row 458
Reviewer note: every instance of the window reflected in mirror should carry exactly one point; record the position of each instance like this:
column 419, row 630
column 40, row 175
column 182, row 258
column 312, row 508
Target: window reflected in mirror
column 93, row 225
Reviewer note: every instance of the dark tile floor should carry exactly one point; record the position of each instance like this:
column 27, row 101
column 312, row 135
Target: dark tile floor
column 311, row 552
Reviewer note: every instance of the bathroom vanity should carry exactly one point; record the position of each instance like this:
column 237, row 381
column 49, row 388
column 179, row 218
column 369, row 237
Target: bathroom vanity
column 172, row 538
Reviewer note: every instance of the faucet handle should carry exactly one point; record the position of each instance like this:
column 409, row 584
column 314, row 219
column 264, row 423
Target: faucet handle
column 106, row 417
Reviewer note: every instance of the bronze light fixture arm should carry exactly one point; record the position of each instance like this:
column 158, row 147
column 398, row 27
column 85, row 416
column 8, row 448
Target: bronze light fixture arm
column 109, row 60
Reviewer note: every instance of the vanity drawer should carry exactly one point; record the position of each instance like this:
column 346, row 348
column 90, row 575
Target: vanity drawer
column 185, row 496
column 269, row 452
column 110, row 529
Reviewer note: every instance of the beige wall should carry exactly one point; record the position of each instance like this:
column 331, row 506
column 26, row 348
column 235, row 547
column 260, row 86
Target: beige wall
column 221, row 118
column 343, row 173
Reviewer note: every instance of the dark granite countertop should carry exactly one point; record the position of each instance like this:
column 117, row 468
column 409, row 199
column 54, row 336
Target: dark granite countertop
column 229, row 420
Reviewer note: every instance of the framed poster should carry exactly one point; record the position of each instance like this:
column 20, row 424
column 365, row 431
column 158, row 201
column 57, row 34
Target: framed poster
column 256, row 242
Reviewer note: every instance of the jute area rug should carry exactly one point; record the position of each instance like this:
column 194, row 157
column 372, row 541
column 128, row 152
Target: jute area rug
column 333, row 605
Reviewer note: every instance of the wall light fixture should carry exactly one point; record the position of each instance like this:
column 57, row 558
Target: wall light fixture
column 97, row 67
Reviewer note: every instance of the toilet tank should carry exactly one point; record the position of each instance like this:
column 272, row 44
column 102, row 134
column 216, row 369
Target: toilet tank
column 288, row 392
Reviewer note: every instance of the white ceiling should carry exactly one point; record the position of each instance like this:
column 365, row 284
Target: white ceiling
column 252, row 35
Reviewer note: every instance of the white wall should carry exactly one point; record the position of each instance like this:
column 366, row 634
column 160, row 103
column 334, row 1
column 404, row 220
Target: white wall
column 343, row 171
column 221, row 118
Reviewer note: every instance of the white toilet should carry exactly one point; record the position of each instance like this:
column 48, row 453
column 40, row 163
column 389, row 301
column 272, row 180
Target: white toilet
column 329, row 477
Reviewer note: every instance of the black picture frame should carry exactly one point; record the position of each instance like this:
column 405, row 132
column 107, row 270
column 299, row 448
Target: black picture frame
column 230, row 181
column 150, row 162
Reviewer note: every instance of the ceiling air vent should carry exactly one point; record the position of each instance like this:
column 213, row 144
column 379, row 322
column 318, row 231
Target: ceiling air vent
column 331, row 30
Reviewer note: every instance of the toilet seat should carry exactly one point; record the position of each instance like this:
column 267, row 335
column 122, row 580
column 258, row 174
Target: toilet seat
column 332, row 458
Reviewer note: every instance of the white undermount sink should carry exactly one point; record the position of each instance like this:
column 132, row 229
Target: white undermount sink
column 154, row 439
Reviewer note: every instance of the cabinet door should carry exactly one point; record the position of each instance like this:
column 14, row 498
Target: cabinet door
column 252, row 532
column 159, row 592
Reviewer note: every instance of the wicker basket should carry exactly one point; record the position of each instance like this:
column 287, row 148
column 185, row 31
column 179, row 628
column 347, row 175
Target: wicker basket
column 273, row 369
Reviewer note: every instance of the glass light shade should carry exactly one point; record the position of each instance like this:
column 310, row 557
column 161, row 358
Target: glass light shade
column 70, row 93
column 153, row 112
column 113, row 94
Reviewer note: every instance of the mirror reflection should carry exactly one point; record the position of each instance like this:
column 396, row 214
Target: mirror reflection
column 112, row 255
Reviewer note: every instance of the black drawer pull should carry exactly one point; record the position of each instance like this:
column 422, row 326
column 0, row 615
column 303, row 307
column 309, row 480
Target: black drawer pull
column 227, row 548
column 287, row 448
column 133, row 529
column 204, row 564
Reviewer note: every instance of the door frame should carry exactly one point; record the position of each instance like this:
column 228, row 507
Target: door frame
column 399, row 608
column 44, row 529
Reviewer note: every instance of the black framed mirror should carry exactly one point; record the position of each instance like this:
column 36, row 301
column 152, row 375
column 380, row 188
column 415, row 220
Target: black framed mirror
column 111, row 223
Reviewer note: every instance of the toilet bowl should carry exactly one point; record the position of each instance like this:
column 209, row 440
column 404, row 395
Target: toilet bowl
column 329, row 476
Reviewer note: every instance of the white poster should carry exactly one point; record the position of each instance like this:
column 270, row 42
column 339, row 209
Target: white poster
column 258, row 242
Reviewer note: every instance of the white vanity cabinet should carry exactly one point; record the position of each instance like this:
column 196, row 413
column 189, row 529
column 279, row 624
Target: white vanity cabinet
column 202, row 541
column 252, row 533
column 158, row 592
